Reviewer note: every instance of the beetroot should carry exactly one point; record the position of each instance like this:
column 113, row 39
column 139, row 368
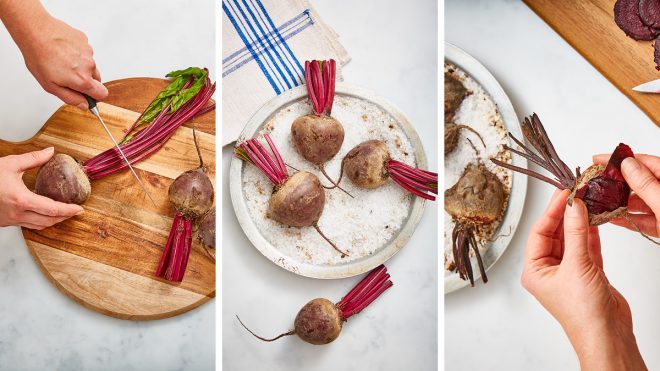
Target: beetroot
column 206, row 230
column 452, row 133
column 64, row 180
column 318, row 136
column 297, row 200
column 192, row 195
column 369, row 165
column 649, row 13
column 627, row 17
column 603, row 189
column 477, row 199
column 320, row 321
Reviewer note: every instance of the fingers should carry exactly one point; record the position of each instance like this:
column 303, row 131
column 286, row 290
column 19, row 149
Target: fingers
column 41, row 221
column 539, row 243
column 646, row 223
column 69, row 96
column 48, row 207
column 91, row 87
column 576, row 233
column 642, row 182
column 96, row 75
column 594, row 247
column 30, row 160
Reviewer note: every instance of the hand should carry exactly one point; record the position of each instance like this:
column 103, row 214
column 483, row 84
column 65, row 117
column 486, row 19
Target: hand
column 19, row 206
column 642, row 174
column 57, row 55
column 564, row 271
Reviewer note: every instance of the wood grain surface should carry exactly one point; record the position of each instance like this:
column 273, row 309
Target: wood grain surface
column 589, row 27
column 105, row 259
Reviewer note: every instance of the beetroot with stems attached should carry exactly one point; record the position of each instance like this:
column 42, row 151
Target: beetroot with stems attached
column 64, row 179
column 192, row 195
column 602, row 188
column 477, row 199
column 206, row 230
column 319, row 136
column 297, row 200
column 320, row 321
column 369, row 165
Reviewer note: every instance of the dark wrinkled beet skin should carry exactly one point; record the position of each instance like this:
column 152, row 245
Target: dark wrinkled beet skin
column 366, row 164
column 318, row 322
column 626, row 16
column 317, row 138
column 298, row 202
column 206, row 231
column 455, row 92
column 192, row 194
column 649, row 12
column 478, row 196
column 63, row 179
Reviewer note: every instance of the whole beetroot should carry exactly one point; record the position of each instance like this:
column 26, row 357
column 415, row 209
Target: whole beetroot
column 320, row 321
column 477, row 199
column 63, row 179
column 297, row 200
column 369, row 165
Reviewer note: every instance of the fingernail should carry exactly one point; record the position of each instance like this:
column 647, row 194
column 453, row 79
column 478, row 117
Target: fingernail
column 48, row 150
column 82, row 106
column 629, row 164
column 80, row 212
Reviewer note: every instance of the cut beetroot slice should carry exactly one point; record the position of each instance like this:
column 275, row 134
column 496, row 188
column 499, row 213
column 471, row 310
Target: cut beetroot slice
column 626, row 16
column 649, row 12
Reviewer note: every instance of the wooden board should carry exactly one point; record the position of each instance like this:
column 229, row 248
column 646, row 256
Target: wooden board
column 105, row 259
column 588, row 26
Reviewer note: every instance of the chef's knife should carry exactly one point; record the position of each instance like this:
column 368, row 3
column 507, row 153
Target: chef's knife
column 95, row 110
column 648, row 87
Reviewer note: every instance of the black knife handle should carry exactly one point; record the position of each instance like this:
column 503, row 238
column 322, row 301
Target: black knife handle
column 91, row 102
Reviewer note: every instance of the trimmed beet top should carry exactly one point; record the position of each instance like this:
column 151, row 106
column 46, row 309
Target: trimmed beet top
column 320, row 321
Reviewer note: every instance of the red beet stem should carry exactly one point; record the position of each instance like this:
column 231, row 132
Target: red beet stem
column 320, row 80
column 416, row 181
column 175, row 256
column 148, row 140
column 365, row 292
column 271, row 165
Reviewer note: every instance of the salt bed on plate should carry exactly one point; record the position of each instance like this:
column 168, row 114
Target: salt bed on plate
column 359, row 226
column 479, row 112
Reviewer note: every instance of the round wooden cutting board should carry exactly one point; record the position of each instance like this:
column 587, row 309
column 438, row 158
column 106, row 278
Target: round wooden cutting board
column 105, row 259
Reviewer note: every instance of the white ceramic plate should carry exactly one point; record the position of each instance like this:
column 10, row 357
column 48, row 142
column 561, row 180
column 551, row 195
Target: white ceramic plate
column 294, row 263
column 480, row 74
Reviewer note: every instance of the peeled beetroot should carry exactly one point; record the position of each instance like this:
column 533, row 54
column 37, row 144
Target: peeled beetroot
column 297, row 200
column 320, row 321
column 369, row 165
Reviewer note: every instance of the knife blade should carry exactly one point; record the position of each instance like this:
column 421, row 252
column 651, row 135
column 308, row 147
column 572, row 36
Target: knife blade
column 648, row 87
column 95, row 111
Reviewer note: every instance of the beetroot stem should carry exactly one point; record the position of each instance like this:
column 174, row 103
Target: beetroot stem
column 271, row 165
column 365, row 292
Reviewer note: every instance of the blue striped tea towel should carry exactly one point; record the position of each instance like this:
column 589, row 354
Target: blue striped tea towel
column 265, row 46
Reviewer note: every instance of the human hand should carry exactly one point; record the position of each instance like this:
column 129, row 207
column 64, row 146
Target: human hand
column 564, row 271
column 19, row 206
column 642, row 174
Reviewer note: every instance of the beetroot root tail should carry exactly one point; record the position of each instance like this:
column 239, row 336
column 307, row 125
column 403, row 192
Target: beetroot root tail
column 343, row 254
column 292, row 332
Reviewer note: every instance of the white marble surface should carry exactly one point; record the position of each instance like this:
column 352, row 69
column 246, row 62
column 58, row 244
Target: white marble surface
column 40, row 328
column 393, row 45
column 499, row 325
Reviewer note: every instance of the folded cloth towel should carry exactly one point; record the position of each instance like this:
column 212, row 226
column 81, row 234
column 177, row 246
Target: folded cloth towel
column 265, row 46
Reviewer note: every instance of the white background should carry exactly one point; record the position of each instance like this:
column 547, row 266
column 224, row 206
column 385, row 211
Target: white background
column 394, row 49
column 499, row 325
column 40, row 328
